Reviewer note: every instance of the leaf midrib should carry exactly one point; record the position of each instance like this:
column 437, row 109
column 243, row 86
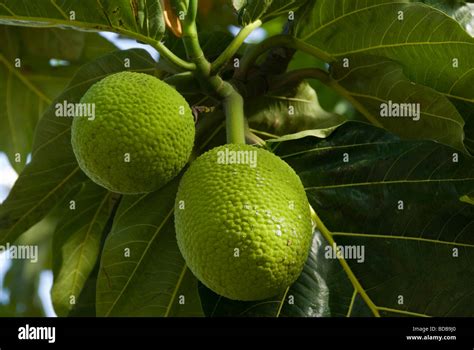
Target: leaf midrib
column 407, row 238
column 24, row 80
column 391, row 182
column 89, row 229
column 418, row 43
column 175, row 291
column 336, row 147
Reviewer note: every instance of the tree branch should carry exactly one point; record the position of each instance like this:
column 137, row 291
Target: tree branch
column 213, row 84
column 234, row 46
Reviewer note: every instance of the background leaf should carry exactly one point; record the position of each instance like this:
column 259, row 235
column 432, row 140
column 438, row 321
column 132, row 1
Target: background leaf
column 28, row 89
column 431, row 47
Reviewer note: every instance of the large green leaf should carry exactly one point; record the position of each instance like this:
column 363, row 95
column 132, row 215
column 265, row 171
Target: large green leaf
column 372, row 82
column 75, row 47
column 352, row 27
column 142, row 272
column 140, row 19
column 432, row 48
column 307, row 297
column 405, row 203
column 53, row 171
column 77, row 242
column 28, row 89
column 292, row 109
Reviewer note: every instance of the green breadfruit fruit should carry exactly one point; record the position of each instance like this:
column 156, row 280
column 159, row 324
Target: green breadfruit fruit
column 141, row 137
column 243, row 222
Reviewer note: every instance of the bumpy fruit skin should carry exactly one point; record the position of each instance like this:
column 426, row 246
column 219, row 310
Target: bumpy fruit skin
column 136, row 116
column 244, row 231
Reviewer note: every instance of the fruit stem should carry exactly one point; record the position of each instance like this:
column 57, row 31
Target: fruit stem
column 234, row 113
column 169, row 56
column 234, row 46
column 281, row 40
column 191, row 41
column 213, row 84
